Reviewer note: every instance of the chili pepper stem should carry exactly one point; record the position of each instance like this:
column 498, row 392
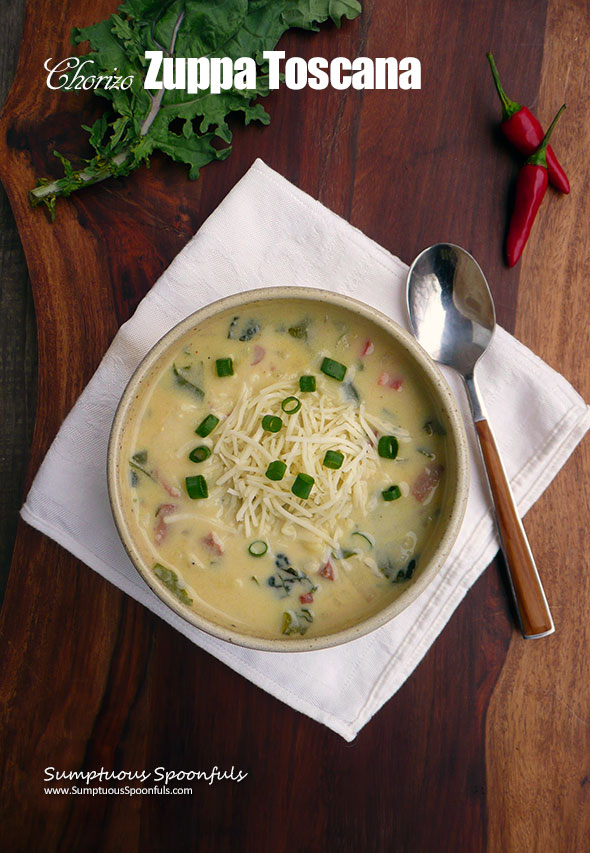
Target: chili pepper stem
column 524, row 131
column 539, row 158
column 509, row 108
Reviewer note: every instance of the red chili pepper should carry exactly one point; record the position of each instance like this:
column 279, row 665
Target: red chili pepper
column 530, row 190
column 525, row 132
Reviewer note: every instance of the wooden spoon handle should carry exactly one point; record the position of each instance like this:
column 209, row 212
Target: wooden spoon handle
column 535, row 617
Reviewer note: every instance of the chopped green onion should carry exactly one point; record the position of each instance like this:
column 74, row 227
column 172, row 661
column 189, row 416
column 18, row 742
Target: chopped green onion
column 258, row 548
column 307, row 383
column 290, row 405
column 276, row 470
column 365, row 536
column 434, row 427
column 224, row 367
column 271, row 423
column 207, row 425
column 428, row 453
column 200, row 453
column 303, row 485
column 196, row 487
column 392, row 493
column 388, row 446
column 334, row 369
column 333, row 459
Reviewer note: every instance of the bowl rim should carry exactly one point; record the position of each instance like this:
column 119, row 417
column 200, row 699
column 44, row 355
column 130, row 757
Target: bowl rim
column 445, row 399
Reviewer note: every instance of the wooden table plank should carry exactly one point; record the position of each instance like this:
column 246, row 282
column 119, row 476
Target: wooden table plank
column 92, row 679
column 538, row 725
column 18, row 351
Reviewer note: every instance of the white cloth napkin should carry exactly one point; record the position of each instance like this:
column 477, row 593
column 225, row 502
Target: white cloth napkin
column 267, row 232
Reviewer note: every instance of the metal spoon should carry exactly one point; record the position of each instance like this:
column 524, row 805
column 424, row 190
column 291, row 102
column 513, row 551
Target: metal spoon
column 453, row 318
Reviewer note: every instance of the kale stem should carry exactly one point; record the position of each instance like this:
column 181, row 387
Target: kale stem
column 154, row 110
column 157, row 99
column 175, row 32
column 84, row 176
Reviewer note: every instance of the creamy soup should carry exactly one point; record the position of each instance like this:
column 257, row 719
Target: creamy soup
column 286, row 468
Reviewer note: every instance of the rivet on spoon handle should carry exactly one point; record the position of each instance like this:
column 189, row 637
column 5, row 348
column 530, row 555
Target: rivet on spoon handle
column 529, row 596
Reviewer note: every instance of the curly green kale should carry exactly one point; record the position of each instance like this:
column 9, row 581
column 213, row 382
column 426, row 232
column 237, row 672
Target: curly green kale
column 143, row 119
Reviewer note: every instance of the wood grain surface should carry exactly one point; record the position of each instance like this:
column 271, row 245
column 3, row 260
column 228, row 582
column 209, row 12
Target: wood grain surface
column 18, row 348
column 486, row 746
column 538, row 726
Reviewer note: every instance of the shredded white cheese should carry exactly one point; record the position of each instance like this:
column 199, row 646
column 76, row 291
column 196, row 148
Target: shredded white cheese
column 242, row 452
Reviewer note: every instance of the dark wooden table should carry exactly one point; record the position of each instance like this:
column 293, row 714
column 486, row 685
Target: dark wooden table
column 486, row 746
column 18, row 349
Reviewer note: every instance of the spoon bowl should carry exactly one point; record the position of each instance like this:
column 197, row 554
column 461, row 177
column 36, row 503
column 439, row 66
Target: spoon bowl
column 450, row 306
column 452, row 315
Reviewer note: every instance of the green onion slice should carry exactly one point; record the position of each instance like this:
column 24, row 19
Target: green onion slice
column 434, row 427
column 196, row 487
column 333, row 369
column 271, row 423
column 258, row 548
column 303, row 485
column 388, row 446
column 307, row 383
column 333, row 459
column 290, row 405
column 207, row 425
column 392, row 493
column 200, row 453
column 428, row 453
column 368, row 538
column 224, row 367
column 276, row 470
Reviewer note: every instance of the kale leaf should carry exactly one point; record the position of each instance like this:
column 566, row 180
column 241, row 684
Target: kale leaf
column 181, row 375
column 396, row 575
column 286, row 576
column 142, row 121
